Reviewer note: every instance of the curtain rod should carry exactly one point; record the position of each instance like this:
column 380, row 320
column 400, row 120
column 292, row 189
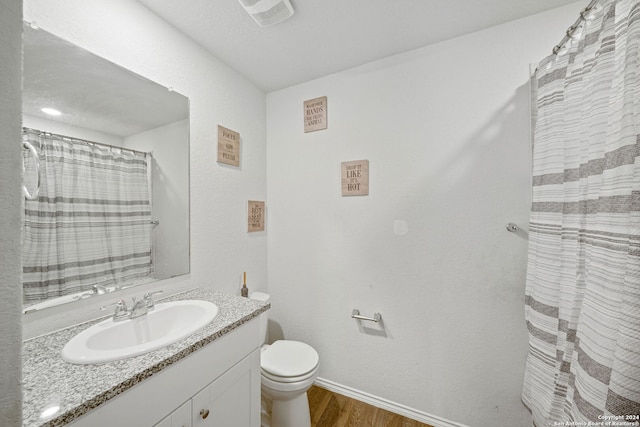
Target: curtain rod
column 109, row 146
column 572, row 29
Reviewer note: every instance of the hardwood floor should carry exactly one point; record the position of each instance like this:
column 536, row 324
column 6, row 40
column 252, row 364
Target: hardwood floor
column 330, row 409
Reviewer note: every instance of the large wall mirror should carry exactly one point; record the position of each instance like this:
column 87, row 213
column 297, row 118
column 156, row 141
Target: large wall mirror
column 106, row 175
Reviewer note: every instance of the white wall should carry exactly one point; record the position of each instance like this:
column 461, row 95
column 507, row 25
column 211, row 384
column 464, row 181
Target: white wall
column 128, row 34
column 446, row 130
column 170, row 148
column 10, row 208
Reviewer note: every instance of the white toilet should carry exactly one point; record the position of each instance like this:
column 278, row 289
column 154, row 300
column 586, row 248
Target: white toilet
column 289, row 368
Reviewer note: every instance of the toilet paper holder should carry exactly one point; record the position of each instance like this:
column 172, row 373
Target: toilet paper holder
column 355, row 314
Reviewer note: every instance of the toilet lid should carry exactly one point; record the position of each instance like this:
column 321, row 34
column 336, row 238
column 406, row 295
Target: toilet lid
column 286, row 358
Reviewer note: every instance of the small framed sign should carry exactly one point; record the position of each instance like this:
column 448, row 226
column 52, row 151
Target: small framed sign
column 355, row 178
column 315, row 114
column 228, row 146
column 256, row 216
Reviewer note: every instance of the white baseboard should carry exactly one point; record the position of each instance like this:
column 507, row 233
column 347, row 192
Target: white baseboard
column 387, row 405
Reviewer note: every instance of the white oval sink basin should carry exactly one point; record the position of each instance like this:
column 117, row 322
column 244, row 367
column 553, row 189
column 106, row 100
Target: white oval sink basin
column 166, row 324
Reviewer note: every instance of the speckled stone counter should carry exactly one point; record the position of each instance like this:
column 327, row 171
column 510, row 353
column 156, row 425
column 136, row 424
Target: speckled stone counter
column 49, row 381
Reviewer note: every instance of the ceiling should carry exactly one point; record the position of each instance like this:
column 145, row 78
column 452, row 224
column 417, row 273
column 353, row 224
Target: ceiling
column 327, row 36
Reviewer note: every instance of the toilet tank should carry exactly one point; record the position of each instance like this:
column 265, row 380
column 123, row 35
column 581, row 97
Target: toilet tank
column 264, row 317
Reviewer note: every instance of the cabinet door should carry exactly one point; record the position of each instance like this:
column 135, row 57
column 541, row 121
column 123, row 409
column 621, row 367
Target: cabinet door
column 181, row 417
column 227, row 401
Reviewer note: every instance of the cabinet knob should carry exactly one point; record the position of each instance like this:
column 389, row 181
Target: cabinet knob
column 204, row 413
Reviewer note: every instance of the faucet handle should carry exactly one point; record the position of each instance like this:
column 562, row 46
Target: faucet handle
column 121, row 311
column 148, row 298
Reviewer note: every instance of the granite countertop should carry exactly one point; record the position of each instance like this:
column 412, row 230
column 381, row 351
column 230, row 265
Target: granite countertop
column 48, row 381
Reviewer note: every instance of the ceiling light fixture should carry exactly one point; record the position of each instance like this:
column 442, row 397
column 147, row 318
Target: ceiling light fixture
column 268, row 12
column 51, row 111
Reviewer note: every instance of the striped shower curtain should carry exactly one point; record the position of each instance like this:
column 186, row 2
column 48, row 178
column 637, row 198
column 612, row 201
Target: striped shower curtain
column 91, row 222
column 583, row 279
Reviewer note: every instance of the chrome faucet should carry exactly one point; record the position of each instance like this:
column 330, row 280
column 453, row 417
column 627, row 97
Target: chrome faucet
column 121, row 312
column 148, row 299
column 98, row 289
column 139, row 308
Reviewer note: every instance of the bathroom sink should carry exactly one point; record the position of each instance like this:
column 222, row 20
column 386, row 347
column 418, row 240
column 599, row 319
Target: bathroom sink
column 166, row 324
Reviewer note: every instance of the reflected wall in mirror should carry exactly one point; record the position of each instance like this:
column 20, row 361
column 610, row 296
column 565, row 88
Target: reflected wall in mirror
column 112, row 210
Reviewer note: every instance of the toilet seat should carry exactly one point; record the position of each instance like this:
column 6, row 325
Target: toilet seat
column 287, row 361
column 295, row 379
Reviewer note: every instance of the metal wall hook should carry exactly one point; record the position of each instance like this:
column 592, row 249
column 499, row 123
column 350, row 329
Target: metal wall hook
column 377, row 317
column 512, row 227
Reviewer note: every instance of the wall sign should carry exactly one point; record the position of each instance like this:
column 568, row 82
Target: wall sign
column 228, row 146
column 315, row 114
column 355, row 178
column 256, row 216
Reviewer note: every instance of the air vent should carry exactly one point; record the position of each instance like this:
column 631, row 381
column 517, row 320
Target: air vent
column 268, row 12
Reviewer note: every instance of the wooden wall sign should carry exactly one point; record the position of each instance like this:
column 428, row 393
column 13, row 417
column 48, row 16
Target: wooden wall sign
column 228, row 146
column 355, row 178
column 255, row 216
column 315, row 114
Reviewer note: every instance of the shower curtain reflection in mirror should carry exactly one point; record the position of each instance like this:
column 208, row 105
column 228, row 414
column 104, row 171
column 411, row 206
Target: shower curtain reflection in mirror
column 89, row 229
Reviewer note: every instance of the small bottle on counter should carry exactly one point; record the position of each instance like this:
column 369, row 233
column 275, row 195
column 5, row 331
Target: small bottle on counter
column 244, row 291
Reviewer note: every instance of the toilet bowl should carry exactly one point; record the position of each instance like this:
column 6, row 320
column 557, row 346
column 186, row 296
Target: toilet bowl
column 288, row 369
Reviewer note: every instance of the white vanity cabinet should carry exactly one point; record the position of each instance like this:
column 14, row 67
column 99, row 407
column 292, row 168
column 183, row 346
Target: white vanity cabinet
column 217, row 385
column 225, row 402
column 181, row 417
